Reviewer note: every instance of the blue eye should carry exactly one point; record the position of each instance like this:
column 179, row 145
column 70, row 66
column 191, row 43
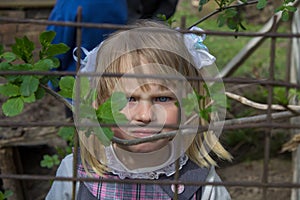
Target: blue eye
column 131, row 99
column 162, row 99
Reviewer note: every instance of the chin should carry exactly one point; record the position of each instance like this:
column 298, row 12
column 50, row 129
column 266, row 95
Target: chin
column 146, row 147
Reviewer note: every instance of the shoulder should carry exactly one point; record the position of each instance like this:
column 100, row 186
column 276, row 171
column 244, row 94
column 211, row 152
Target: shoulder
column 66, row 166
column 63, row 189
column 214, row 192
column 68, row 158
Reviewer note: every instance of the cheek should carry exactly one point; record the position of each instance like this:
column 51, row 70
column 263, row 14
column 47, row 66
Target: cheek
column 171, row 114
column 118, row 133
column 172, row 119
column 126, row 112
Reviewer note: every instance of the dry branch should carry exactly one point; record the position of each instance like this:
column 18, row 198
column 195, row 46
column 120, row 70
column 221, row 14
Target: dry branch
column 259, row 106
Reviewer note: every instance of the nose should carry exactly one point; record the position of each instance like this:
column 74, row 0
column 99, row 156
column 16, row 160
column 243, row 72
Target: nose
column 142, row 112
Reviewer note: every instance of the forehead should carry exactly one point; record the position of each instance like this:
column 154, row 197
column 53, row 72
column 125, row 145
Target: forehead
column 131, row 85
column 164, row 61
column 147, row 74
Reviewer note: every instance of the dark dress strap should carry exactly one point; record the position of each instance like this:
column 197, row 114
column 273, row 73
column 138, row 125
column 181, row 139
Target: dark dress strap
column 84, row 193
column 191, row 172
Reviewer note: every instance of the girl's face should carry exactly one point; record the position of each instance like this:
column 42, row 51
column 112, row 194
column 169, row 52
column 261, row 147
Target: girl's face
column 147, row 105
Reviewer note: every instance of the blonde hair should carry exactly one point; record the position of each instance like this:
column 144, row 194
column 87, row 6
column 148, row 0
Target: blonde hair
column 156, row 44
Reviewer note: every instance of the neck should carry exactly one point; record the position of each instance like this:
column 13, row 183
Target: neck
column 132, row 160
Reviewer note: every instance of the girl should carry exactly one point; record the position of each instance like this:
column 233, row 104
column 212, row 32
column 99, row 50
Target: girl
column 150, row 64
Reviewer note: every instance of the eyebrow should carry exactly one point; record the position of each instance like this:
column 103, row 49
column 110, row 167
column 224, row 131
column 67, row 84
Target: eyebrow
column 154, row 94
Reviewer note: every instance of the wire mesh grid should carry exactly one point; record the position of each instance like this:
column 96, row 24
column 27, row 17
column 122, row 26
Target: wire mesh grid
column 266, row 121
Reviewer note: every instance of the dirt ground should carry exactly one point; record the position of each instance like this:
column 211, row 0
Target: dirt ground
column 280, row 171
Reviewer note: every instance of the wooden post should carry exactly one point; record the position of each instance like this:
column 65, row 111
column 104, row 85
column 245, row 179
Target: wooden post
column 7, row 166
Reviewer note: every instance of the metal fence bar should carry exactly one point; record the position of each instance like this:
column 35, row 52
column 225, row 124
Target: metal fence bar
column 269, row 124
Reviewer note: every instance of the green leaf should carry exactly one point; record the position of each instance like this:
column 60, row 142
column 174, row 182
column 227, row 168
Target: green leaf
column 294, row 93
column 9, row 90
column 87, row 111
column 104, row 135
column 13, row 107
column 204, row 114
column 291, row 8
column 29, row 85
column 22, row 67
column 56, row 49
column 161, row 17
column 40, row 93
column 43, row 65
column 187, row 106
column 221, row 21
column 189, row 103
column 280, row 96
column 280, row 8
column 56, row 62
column 108, row 133
column 109, row 111
column 232, row 24
column 118, row 101
column 24, row 49
column 69, row 150
column 105, row 114
column 5, row 66
column 29, row 99
column 6, row 194
column 49, row 161
column 220, row 100
column 84, row 87
column 66, row 133
column 66, row 85
column 230, row 13
column 46, row 38
column 9, row 56
column 285, row 15
column 261, row 4
column 14, row 78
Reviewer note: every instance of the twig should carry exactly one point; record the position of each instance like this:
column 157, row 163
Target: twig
column 260, row 106
column 220, row 10
column 226, row 123
column 57, row 96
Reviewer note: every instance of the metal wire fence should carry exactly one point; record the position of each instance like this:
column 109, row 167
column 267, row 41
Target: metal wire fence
column 268, row 121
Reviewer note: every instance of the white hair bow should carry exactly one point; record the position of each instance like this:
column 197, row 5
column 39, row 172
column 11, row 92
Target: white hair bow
column 88, row 64
column 197, row 49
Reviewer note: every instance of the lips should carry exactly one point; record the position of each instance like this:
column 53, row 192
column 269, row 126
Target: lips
column 142, row 133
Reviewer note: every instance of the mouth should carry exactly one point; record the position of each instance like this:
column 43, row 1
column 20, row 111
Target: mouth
column 143, row 133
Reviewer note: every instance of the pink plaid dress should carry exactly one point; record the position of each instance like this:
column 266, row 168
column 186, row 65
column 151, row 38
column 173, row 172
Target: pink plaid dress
column 126, row 191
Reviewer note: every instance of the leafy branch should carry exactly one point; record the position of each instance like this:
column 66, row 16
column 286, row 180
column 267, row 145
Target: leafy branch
column 21, row 89
column 230, row 15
